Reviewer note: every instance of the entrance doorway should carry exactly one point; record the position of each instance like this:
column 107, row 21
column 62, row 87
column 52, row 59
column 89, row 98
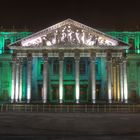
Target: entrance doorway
column 54, row 94
column 83, row 93
column 69, row 93
column 39, row 95
column 98, row 91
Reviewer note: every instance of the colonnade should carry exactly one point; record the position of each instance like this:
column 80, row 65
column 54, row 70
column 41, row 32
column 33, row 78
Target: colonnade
column 116, row 78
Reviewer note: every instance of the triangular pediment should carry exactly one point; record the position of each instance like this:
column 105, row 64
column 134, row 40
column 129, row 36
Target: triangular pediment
column 68, row 34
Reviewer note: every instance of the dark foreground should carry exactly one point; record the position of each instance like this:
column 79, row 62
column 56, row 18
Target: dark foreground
column 69, row 126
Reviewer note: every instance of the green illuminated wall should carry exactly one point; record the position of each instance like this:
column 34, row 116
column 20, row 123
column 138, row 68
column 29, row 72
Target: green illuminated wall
column 133, row 61
column 5, row 63
column 133, row 72
column 12, row 36
column 126, row 36
column 133, row 69
column 5, row 77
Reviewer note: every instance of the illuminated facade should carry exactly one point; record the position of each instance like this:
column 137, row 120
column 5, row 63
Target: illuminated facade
column 69, row 62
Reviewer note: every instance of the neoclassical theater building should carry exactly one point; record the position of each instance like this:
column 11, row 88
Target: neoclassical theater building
column 70, row 62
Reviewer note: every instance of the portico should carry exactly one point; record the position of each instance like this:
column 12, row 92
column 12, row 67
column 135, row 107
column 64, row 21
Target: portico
column 74, row 41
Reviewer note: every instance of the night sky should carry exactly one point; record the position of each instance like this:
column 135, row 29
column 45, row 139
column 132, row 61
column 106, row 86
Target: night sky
column 97, row 14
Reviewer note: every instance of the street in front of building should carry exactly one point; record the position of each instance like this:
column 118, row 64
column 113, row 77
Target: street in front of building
column 69, row 126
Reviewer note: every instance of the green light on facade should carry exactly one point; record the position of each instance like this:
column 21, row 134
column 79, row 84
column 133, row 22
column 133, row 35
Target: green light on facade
column 126, row 37
column 138, row 51
column 5, row 62
column 127, row 51
column 13, row 36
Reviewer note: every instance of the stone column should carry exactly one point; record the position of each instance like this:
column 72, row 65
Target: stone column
column 61, row 57
column 109, row 77
column 29, row 76
column 17, row 80
column 77, row 77
column 121, row 80
column 125, row 90
column 45, row 79
column 114, row 79
column 13, row 79
column 118, row 81
column 20, row 80
column 93, row 77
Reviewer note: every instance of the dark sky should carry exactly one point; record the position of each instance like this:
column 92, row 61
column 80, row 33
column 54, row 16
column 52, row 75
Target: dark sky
column 39, row 14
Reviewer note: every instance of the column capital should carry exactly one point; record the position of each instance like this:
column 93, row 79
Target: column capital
column 93, row 56
column 17, row 60
column 124, row 54
column 77, row 56
column 14, row 57
column 45, row 57
column 61, row 56
column 124, row 60
column 29, row 57
column 116, row 60
column 120, row 60
column 109, row 56
column 21, row 61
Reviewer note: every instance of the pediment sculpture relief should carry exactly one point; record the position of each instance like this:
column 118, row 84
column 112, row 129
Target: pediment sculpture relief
column 69, row 34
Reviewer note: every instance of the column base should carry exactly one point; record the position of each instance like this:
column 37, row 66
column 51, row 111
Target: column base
column 20, row 100
column 77, row 101
column 60, row 101
column 12, row 100
column 119, row 100
column 93, row 101
column 16, row 100
column 110, row 101
column 44, row 101
column 125, row 101
column 28, row 101
column 122, row 100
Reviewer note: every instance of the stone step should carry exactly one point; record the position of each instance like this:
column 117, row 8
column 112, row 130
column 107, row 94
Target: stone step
column 93, row 108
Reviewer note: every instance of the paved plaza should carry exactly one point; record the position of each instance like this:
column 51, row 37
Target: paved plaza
column 66, row 126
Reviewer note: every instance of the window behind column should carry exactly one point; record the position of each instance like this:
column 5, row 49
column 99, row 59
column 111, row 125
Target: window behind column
column 6, row 49
column 41, row 68
column 55, row 67
column 82, row 67
column 132, row 44
column 96, row 68
column 69, row 67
